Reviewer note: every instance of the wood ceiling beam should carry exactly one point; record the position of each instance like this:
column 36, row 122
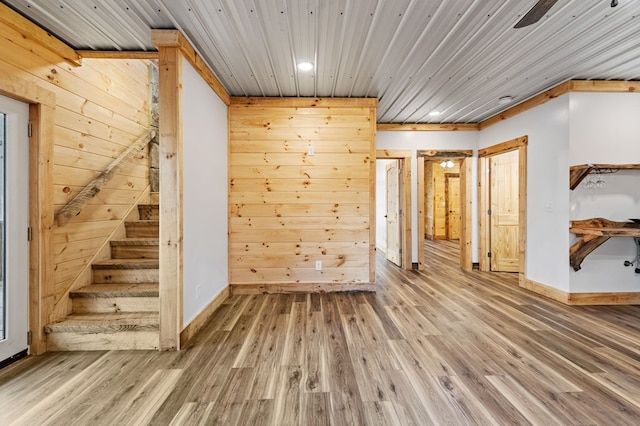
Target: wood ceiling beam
column 117, row 54
column 427, row 127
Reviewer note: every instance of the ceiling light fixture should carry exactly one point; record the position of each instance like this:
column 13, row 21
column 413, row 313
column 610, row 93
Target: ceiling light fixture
column 505, row 100
column 305, row 66
column 434, row 113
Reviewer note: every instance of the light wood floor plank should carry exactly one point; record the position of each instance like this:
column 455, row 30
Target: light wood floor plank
column 440, row 346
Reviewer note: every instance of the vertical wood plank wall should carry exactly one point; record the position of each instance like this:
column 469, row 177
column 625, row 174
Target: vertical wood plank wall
column 101, row 108
column 289, row 209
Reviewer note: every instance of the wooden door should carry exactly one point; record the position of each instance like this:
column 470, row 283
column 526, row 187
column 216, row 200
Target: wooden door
column 452, row 200
column 394, row 227
column 504, row 213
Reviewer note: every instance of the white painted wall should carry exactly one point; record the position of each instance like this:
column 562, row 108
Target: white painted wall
column 205, row 254
column 381, row 204
column 604, row 128
column 547, row 127
column 430, row 140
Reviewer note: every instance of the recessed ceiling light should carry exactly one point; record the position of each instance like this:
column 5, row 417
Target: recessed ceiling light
column 434, row 113
column 505, row 100
column 305, row 66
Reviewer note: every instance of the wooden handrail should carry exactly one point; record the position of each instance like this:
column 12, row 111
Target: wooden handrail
column 75, row 206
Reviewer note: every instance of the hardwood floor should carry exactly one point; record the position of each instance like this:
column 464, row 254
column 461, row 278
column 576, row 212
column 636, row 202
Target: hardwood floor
column 440, row 347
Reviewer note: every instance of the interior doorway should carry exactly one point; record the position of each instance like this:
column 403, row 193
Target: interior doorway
column 444, row 200
column 502, row 181
column 393, row 206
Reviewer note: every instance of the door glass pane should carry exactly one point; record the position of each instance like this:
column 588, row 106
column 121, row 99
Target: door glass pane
column 3, row 298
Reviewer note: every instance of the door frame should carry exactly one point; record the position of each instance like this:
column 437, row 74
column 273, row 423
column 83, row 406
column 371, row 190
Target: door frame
column 484, row 184
column 42, row 104
column 404, row 155
column 465, row 157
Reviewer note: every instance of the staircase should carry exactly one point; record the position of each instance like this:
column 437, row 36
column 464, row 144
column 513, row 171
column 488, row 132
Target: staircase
column 119, row 310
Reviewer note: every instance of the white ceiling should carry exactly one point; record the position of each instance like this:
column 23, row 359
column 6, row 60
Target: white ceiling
column 455, row 56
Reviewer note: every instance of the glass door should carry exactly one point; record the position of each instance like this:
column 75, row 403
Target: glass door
column 14, row 221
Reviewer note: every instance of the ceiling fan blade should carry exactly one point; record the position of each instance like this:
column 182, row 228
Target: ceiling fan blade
column 536, row 12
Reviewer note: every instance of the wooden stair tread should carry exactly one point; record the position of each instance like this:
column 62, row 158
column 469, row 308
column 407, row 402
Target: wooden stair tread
column 117, row 290
column 143, row 222
column 126, row 264
column 106, row 322
column 139, row 241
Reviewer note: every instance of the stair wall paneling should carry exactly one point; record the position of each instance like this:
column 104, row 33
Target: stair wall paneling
column 301, row 191
column 101, row 107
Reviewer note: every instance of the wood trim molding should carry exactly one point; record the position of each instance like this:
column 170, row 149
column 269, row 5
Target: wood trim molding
column 546, row 291
column 421, row 213
column 203, row 317
column 170, row 141
column 33, row 32
column 522, row 206
column 291, row 288
column 540, row 99
column 483, row 206
column 304, row 102
column 427, row 127
column 466, row 204
column 439, row 153
column 174, row 38
column 604, row 86
column 391, row 154
column 503, row 147
column 630, row 298
column 582, row 299
column 41, row 286
column 404, row 155
column 372, row 195
column 117, row 54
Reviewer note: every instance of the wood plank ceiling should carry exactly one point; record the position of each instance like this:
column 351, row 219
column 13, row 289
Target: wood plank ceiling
column 457, row 56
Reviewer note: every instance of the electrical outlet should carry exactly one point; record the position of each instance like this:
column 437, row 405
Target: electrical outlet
column 318, row 265
column 198, row 291
column 310, row 150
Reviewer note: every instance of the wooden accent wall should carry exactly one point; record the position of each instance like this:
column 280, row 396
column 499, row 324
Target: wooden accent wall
column 289, row 209
column 100, row 109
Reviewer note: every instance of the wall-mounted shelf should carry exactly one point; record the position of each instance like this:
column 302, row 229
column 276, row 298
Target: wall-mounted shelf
column 593, row 233
column 577, row 173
